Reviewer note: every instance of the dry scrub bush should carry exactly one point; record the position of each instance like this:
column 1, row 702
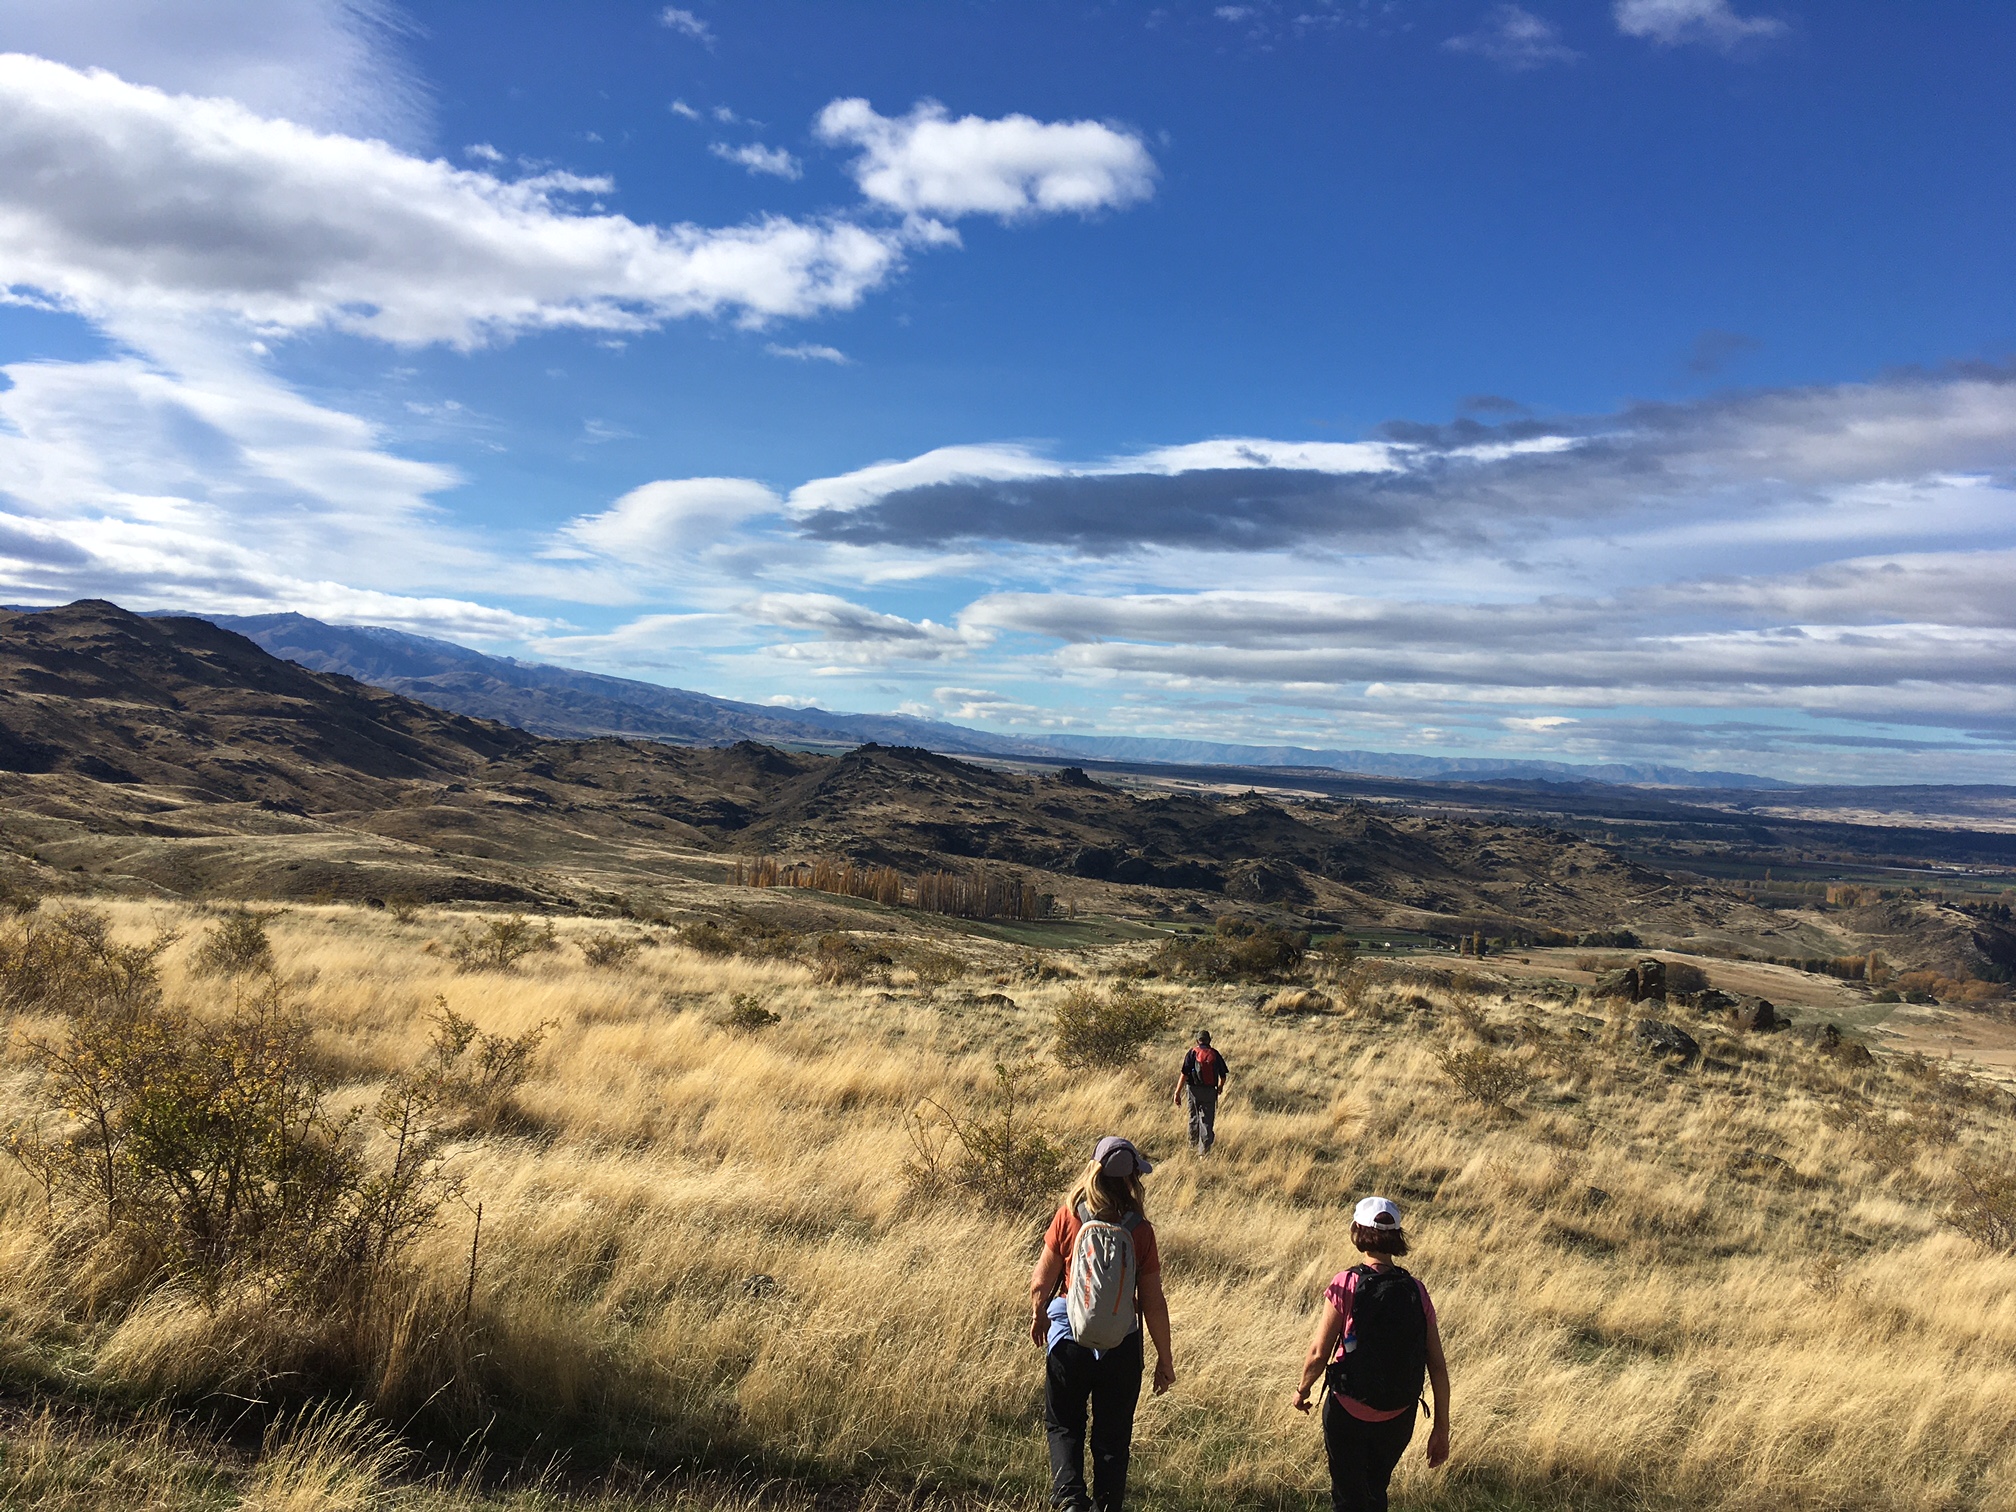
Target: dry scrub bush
column 1483, row 1075
column 1094, row 1032
column 502, row 943
column 746, row 1014
column 1238, row 950
column 611, row 951
column 1684, row 978
column 992, row 1155
column 1984, row 1204
column 750, row 938
column 467, row 1078
column 236, row 945
column 845, row 960
column 66, row 961
column 205, row 1150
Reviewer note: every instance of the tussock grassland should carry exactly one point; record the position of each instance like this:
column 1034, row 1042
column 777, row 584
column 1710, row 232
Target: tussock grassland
column 1721, row 1286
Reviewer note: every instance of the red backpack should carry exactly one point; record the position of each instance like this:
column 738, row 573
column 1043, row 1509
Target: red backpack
column 1208, row 1070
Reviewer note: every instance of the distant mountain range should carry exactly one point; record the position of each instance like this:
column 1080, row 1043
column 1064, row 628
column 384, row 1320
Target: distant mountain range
column 1386, row 764
column 563, row 703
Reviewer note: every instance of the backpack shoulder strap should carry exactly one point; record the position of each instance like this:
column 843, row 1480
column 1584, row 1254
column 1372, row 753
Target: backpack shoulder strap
column 1131, row 1222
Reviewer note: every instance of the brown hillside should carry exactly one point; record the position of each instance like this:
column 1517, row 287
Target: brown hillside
column 171, row 755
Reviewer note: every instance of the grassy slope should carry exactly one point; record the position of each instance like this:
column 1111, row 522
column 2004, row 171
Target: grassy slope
column 1720, row 1288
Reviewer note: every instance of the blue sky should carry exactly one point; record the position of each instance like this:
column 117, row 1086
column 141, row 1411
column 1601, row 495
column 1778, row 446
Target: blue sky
column 1592, row 381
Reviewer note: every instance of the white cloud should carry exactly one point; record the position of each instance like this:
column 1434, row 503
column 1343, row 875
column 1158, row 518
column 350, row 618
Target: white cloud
column 123, row 202
column 853, row 635
column 649, row 642
column 1516, row 39
column 332, row 64
column 757, row 158
column 866, row 485
column 927, row 163
column 686, row 24
column 667, row 521
column 483, row 152
column 681, row 108
column 810, row 351
column 1670, row 23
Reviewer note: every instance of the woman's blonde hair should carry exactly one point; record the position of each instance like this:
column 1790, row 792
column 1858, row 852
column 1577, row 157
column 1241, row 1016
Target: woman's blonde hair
column 1108, row 1198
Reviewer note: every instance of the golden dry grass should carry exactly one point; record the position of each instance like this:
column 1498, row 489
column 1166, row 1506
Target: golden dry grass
column 1725, row 1287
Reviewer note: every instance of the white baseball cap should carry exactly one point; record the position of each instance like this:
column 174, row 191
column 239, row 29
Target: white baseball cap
column 1376, row 1212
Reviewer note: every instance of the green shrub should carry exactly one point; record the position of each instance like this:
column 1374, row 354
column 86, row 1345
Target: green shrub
column 993, row 1156
column 502, row 943
column 236, row 945
column 1098, row 1033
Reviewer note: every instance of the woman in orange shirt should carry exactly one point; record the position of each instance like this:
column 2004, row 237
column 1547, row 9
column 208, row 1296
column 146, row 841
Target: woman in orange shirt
column 1077, row 1374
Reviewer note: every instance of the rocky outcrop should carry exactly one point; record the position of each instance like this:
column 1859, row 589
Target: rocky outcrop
column 1663, row 1039
column 1640, row 983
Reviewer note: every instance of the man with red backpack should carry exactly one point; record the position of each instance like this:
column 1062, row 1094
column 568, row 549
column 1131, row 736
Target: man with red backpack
column 1203, row 1076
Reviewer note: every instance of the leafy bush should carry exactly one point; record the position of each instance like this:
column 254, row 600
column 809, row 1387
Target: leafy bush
column 1984, row 1204
column 66, row 962
column 1483, row 1075
column 502, row 943
column 746, row 1014
column 611, row 952
column 1238, row 950
column 992, row 1156
column 1095, row 1032
column 236, row 945
column 205, row 1149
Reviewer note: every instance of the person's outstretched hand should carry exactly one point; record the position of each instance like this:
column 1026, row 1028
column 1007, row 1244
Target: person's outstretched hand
column 1165, row 1374
column 1438, row 1445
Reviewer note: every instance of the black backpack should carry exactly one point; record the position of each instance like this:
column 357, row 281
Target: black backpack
column 1385, row 1371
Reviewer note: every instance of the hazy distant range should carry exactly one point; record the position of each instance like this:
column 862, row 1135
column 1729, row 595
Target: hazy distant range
column 561, row 702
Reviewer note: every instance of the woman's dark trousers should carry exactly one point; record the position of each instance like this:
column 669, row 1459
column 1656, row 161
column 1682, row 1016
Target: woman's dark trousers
column 1362, row 1456
column 1111, row 1385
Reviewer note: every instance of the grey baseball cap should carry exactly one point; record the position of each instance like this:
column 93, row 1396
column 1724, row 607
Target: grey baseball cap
column 1118, row 1157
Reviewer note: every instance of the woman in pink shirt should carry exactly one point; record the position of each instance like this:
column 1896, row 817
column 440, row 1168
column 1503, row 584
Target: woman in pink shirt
column 1375, row 1340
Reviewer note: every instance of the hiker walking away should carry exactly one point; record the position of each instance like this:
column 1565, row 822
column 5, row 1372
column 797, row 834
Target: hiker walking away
column 1097, row 1279
column 1375, row 1340
column 1202, row 1078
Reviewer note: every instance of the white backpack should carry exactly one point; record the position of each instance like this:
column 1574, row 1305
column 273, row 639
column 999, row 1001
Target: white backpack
column 1103, row 1272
